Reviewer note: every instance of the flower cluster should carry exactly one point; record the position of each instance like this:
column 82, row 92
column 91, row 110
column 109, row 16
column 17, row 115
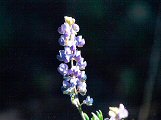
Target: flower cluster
column 72, row 69
column 118, row 113
column 73, row 66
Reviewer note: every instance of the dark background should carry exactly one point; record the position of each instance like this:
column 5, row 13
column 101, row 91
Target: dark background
column 122, row 51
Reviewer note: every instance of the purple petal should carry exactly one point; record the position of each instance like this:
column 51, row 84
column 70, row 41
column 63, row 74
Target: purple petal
column 75, row 27
column 60, row 31
column 80, row 41
column 81, row 86
column 63, row 69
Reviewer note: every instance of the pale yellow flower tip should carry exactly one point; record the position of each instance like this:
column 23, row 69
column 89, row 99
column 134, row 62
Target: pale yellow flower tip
column 114, row 109
column 69, row 20
column 112, row 114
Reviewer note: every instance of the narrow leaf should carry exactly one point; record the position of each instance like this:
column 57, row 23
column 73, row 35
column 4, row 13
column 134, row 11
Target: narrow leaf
column 100, row 115
column 86, row 116
column 95, row 116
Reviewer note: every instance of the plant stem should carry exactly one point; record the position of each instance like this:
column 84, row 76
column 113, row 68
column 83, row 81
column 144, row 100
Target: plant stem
column 72, row 63
column 79, row 105
column 75, row 101
column 81, row 112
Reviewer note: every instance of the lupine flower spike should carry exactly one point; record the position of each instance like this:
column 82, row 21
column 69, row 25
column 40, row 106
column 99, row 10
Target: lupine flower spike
column 72, row 69
column 74, row 76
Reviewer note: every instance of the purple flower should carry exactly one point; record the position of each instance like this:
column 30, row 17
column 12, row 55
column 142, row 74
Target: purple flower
column 65, row 29
column 70, row 42
column 63, row 69
column 60, row 31
column 88, row 101
column 74, row 80
column 80, row 41
column 75, row 27
column 77, row 56
column 74, row 71
column 62, row 40
column 82, row 75
column 82, row 64
column 66, row 84
column 68, row 50
column 63, row 56
column 81, row 87
column 73, row 48
column 67, row 88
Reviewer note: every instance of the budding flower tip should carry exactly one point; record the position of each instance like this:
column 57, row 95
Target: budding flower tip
column 69, row 20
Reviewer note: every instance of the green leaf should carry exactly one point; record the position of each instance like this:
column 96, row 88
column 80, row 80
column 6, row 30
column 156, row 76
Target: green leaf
column 99, row 114
column 86, row 116
column 95, row 117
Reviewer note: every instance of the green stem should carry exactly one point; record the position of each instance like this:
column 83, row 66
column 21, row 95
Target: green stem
column 81, row 112
column 79, row 107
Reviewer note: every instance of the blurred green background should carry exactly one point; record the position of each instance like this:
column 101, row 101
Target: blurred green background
column 122, row 51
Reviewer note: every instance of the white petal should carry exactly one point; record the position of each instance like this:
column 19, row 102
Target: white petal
column 112, row 114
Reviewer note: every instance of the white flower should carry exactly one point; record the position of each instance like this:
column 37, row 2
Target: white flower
column 123, row 113
column 118, row 113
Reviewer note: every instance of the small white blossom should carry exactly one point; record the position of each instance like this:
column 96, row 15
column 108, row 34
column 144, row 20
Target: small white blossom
column 118, row 113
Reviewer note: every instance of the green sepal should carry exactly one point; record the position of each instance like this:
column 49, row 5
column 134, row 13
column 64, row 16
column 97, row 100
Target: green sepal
column 86, row 116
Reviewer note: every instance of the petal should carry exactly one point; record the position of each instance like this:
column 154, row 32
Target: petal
column 69, row 20
column 75, row 27
column 111, row 114
column 60, row 31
